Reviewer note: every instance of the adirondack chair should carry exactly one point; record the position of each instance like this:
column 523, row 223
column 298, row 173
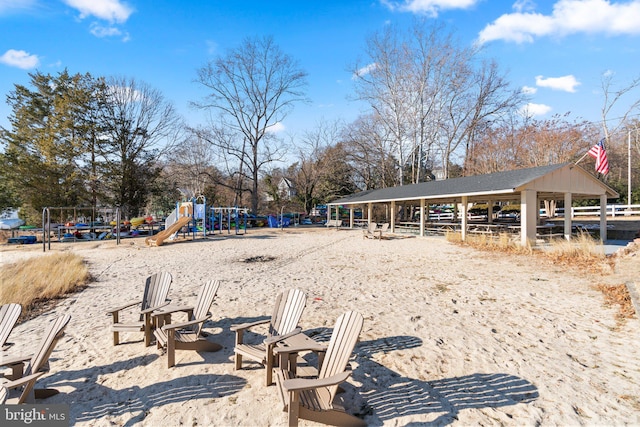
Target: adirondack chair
column 380, row 231
column 283, row 323
column 315, row 398
column 23, row 377
column 187, row 335
column 370, row 231
column 155, row 296
column 9, row 314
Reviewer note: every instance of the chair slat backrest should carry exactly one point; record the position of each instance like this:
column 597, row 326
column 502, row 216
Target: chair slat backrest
column 372, row 227
column 156, row 289
column 206, row 296
column 343, row 340
column 9, row 314
column 51, row 336
column 287, row 313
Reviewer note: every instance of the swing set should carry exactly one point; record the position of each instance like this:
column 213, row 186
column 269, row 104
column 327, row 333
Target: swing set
column 229, row 218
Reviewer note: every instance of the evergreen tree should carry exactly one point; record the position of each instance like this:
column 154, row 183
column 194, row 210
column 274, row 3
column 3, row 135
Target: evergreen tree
column 47, row 142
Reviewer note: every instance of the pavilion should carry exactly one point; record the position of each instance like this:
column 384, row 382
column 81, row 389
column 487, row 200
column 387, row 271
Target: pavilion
column 565, row 181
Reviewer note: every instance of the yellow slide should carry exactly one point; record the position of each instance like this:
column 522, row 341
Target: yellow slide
column 158, row 239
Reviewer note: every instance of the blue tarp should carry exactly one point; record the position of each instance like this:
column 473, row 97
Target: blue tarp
column 274, row 223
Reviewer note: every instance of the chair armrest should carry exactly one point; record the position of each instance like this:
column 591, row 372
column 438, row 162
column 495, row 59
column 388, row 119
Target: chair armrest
column 21, row 381
column 152, row 309
column 115, row 310
column 174, row 309
column 278, row 338
column 7, row 361
column 299, row 384
column 298, row 349
column 249, row 325
column 185, row 324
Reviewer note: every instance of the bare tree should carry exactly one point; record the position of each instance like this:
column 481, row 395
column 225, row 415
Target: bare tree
column 386, row 84
column 253, row 87
column 372, row 160
column 138, row 125
column 611, row 98
column 313, row 166
column 527, row 143
column 430, row 94
column 192, row 162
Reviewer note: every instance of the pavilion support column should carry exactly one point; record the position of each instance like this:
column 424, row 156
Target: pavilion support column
column 490, row 211
column 393, row 216
column 329, row 207
column 567, row 216
column 528, row 216
column 421, row 217
column 603, row 217
column 351, row 216
column 463, row 227
column 369, row 212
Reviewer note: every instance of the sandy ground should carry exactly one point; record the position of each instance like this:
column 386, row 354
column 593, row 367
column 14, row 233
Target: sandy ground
column 452, row 336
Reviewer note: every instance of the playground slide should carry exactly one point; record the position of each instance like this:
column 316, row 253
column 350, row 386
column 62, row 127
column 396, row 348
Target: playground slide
column 171, row 219
column 158, row 239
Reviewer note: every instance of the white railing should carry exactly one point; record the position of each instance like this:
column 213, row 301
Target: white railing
column 612, row 211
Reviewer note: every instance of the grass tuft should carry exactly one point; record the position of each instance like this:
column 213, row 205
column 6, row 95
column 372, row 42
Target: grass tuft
column 40, row 280
column 582, row 252
column 618, row 295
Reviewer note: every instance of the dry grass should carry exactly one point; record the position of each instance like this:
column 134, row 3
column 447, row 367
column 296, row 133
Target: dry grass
column 37, row 281
column 582, row 252
column 618, row 295
column 502, row 242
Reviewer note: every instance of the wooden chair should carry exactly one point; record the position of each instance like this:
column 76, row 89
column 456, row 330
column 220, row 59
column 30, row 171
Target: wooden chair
column 23, row 377
column 188, row 335
column 9, row 314
column 370, row 231
column 380, row 231
column 315, row 398
column 155, row 296
column 283, row 323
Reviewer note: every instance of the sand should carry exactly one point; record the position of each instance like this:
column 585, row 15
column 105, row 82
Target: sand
column 452, row 336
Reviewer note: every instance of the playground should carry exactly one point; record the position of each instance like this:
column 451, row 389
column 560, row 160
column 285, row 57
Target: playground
column 459, row 350
column 190, row 219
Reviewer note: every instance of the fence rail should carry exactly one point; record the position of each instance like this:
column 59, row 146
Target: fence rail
column 611, row 211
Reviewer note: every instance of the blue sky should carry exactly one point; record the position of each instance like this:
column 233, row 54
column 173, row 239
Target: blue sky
column 556, row 51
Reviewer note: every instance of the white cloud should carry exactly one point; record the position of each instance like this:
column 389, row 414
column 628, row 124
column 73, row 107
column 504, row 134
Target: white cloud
column 20, row 59
column 212, row 47
column 565, row 83
column 100, row 31
column 364, row 70
column 108, row 10
column 534, row 110
column 524, row 5
column 528, row 90
column 277, row 128
column 567, row 17
column 125, row 93
column 427, row 7
column 9, row 6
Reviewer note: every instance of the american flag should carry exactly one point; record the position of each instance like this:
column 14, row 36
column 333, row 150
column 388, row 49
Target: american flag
column 602, row 163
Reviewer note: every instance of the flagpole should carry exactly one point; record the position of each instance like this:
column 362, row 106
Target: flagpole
column 629, row 171
column 582, row 158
